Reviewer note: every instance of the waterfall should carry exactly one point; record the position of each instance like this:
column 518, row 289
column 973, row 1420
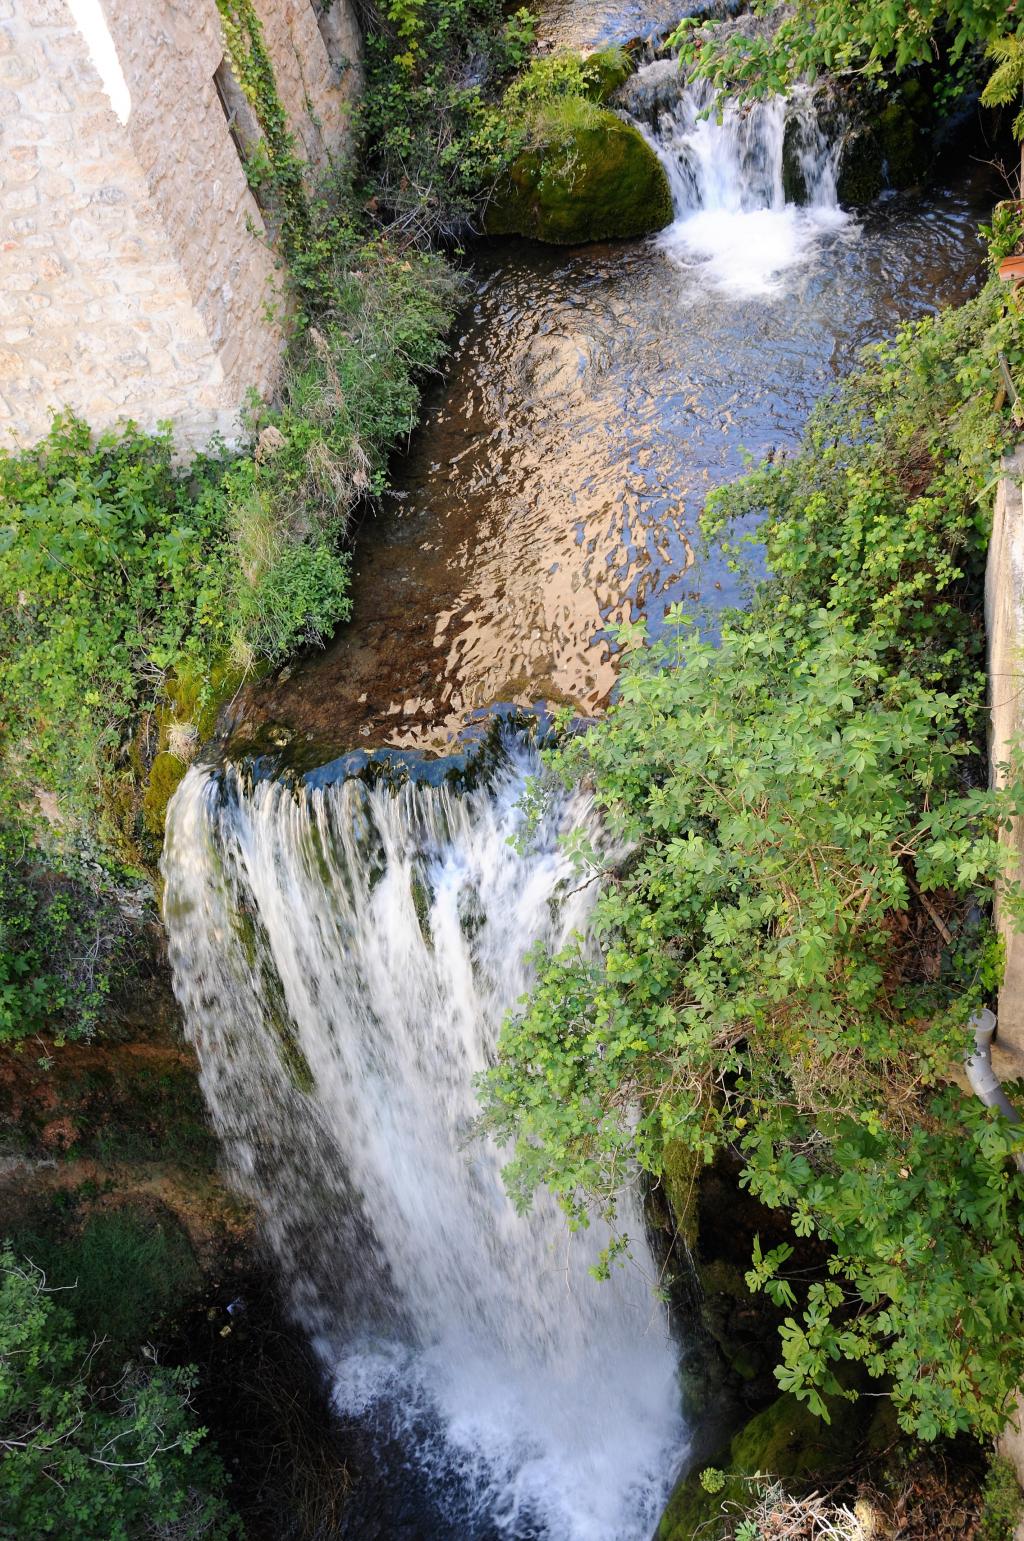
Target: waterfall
column 753, row 184
column 345, row 955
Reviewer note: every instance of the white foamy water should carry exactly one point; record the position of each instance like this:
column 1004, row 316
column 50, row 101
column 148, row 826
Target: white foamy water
column 345, row 957
column 733, row 227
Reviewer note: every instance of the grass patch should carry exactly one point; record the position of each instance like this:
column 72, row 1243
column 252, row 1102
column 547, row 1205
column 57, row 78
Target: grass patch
column 122, row 1275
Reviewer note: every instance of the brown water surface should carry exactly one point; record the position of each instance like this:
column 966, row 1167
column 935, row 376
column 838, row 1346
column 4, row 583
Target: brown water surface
column 553, row 489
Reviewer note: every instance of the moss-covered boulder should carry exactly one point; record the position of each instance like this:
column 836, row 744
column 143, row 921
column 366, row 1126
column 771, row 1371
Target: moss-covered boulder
column 609, row 69
column 586, row 176
column 904, row 141
column 892, row 147
column 681, row 1173
column 165, row 775
column 785, row 1441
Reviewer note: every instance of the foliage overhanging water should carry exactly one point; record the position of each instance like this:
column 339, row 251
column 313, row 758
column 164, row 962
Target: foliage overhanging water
column 345, row 953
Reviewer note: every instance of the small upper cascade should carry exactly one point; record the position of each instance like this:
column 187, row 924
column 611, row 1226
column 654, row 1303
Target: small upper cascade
column 753, row 183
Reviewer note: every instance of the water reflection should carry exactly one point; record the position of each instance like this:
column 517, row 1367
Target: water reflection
column 554, row 488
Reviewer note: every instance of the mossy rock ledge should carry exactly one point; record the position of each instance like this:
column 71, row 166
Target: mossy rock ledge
column 600, row 182
column 785, row 1441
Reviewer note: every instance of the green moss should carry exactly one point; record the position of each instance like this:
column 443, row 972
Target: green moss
column 421, row 904
column 197, row 696
column 861, row 175
column 588, row 176
column 255, row 944
column 295, row 1062
column 122, row 1275
column 889, row 148
column 785, row 1441
column 903, row 145
column 194, row 701
column 680, row 1175
column 165, row 775
column 1002, row 1503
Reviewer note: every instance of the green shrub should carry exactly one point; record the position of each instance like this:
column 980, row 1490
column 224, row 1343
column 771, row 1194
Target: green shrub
column 557, row 121
column 839, row 37
column 103, row 551
column 295, row 602
column 63, row 943
column 564, row 76
column 434, row 143
column 788, row 961
column 100, row 1463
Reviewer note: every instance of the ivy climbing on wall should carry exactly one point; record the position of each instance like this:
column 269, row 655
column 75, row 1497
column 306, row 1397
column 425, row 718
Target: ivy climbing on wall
column 274, row 167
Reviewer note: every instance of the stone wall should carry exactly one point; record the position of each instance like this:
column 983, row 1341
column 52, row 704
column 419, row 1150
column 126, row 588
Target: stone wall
column 136, row 277
column 316, row 86
column 1004, row 622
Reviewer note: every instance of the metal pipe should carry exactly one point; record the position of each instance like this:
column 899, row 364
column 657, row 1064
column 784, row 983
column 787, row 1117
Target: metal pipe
column 985, row 1084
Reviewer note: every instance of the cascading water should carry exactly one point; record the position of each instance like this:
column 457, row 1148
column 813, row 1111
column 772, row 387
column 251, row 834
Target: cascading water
column 345, row 955
column 728, row 165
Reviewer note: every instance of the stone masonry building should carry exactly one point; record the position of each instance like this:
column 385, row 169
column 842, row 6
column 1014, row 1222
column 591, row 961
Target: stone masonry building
column 136, row 274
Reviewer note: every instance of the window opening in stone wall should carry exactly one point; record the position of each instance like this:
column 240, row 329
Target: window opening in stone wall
column 331, row 21
column 241, row 120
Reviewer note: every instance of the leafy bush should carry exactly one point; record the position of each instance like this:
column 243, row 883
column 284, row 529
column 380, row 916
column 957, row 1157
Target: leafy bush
column 63, row 943
column 434, row 143
column 788, row 959
column 1006, row 232
column 559, row 120
column 120, row 569
column 104, row 546
column 809, row 38
column 293, row 601
column 100, row 1463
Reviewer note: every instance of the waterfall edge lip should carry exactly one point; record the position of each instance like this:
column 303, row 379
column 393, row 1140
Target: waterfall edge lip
column 275, row 754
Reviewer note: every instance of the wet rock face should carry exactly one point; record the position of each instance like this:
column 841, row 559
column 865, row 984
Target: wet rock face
column 885, row 145
column 654, row 89
column 598, row 180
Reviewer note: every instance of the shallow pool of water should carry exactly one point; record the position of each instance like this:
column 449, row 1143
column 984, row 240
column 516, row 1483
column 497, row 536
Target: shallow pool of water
column 593, row 398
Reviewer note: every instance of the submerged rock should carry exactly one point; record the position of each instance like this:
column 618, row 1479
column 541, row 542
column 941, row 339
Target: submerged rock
column 591, row 177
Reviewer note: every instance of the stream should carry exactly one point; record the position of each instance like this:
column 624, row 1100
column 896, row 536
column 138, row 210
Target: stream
column 345, row 945
column 594, row 396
